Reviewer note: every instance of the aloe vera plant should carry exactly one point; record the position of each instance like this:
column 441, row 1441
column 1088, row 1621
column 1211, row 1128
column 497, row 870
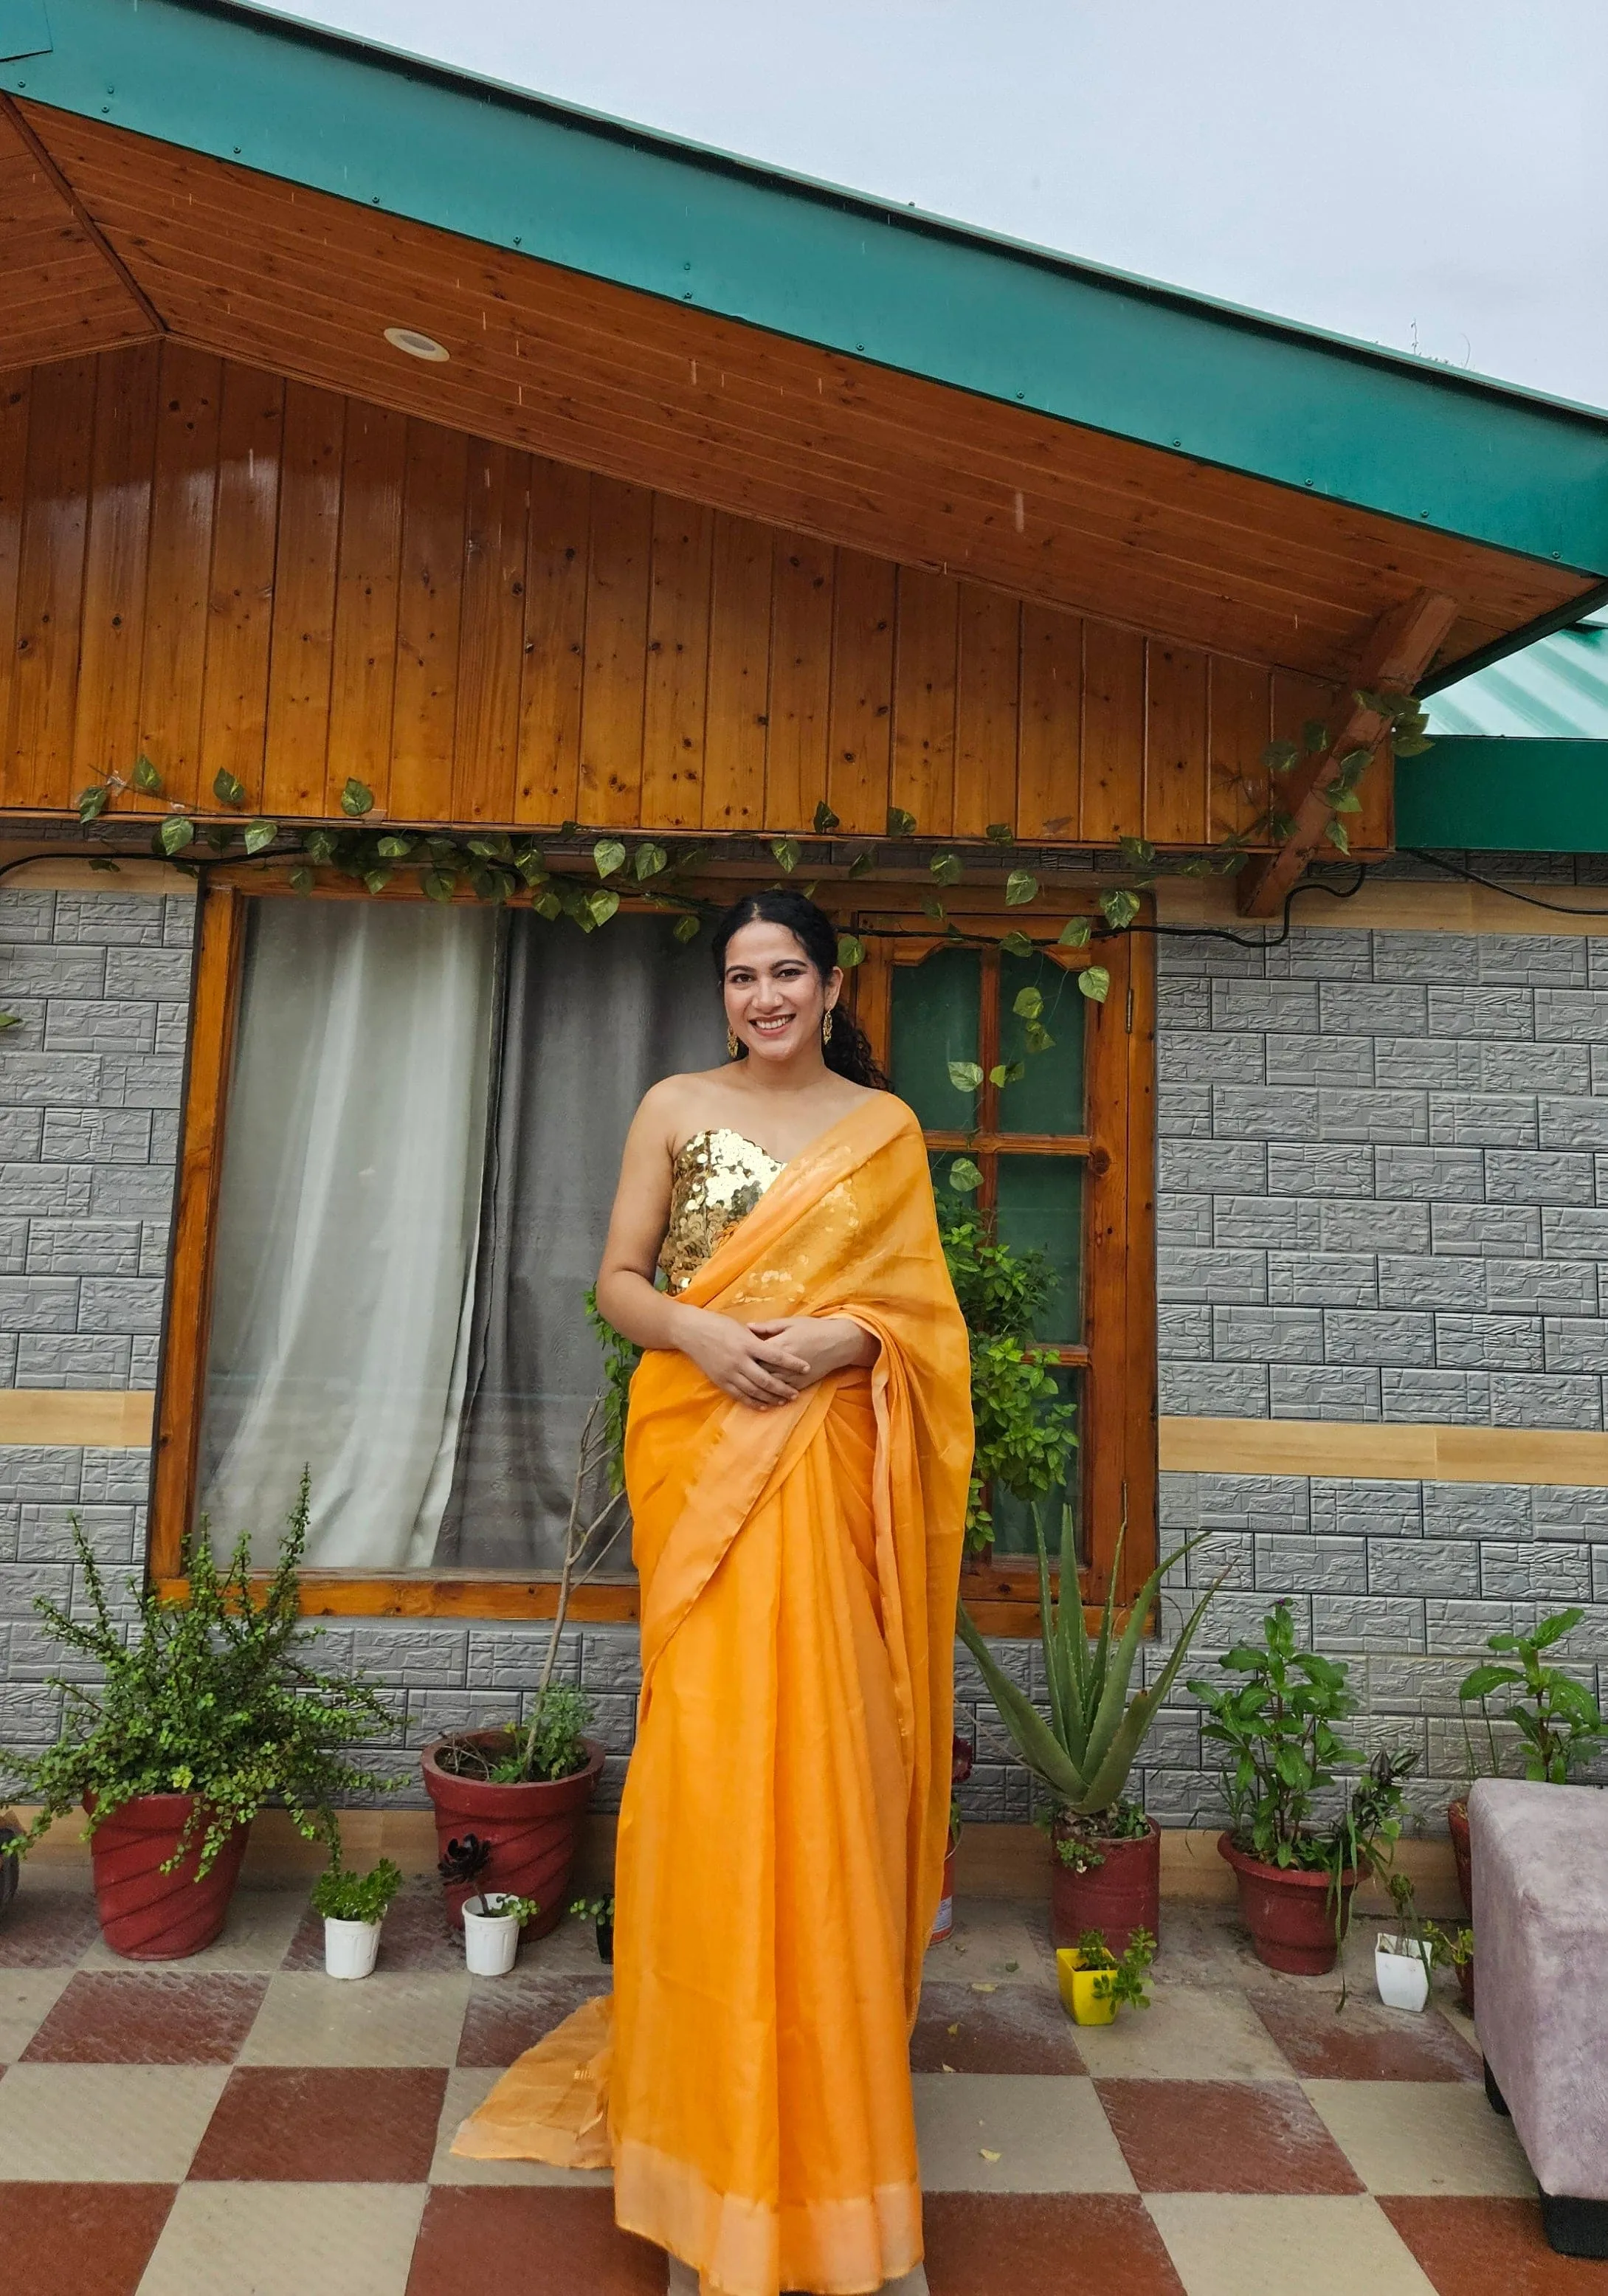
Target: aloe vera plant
column 1085, row 1750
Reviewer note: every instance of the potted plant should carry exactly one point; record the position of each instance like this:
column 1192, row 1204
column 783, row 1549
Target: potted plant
column 960, row 1758
column 1403, row 1960
column 1558, row 1721
column 599, row 1913
column 1095, row 1982
column 1279, row 1732
column 1105, row 1872
column 523, row 1791
column 353, row 1906
column 208, row 1711
column 491, row 1919
column 1457, row 1945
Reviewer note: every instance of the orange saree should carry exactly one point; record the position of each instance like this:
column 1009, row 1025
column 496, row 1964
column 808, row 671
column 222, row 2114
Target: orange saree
column 782, row 1833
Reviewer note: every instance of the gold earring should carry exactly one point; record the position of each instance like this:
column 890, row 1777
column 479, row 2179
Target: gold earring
column 826, row 1026
column 732, row 1046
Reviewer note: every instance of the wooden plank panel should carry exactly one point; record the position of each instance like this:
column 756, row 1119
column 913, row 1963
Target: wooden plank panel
column 50, row 588
column 234, row 706
column 1049, row 764
column 1113, row 733
column 674, row 723
column 616, row 654
column 1175, row 745
column 363, row 672
column 1241, row 723
column 425, row 708
column 802, row 582
column 926, row 661
column 557, row 553
column 740, row 595
column 179, row 567
column 304, row 602
column 15, row 395
column 987, row 710
column 106, row 734
column 492, row 637
column 1298, row 703
column 859, row 749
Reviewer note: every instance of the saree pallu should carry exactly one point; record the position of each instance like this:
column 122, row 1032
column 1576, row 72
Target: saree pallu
column 782, row 1835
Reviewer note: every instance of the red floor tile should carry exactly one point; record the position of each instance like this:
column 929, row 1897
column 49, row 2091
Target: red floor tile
column 1044, row 2245
column 415, row 1936
column 511, row 2014
column 317, row 2124
column 539, row 2240
column 1224, row 2137
column 149, row 2017
column 78, row 2240
column 1363, row 2041
column 46, row 1927
column 1490, row 2248
column 1016, row 2029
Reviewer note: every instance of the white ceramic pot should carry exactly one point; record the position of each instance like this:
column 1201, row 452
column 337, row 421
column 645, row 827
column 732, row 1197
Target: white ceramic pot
column 350, row 1947
column 490, row 1940
column 1400, row 1973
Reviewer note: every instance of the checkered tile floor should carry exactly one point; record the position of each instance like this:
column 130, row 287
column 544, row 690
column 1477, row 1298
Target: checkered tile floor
column 239, row 2125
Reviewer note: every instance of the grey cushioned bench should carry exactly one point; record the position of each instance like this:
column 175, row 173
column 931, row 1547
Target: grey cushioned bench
column 1540, row 1860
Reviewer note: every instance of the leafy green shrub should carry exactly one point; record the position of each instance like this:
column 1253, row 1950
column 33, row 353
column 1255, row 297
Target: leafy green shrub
column 342, row 1897
column 1558, row 1721
column 1127, row 1984
column 1024, row 1433
column 210, row 1697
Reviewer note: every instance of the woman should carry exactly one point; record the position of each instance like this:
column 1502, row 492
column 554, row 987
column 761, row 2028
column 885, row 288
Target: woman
column 797, row 1455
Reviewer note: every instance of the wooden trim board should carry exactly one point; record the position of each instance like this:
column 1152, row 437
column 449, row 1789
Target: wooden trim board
column 1401, row 905
column 1376, row 1452
column 109, row 1419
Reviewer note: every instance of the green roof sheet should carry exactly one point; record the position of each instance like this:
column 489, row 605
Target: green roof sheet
column 909, row 291
column 1555, row 690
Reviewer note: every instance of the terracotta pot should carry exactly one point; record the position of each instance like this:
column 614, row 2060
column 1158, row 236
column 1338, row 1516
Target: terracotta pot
column 1117, row 1896
column 147, row 1914
column 1290, row 1915
column 534, row 1830
column 1457, row 1819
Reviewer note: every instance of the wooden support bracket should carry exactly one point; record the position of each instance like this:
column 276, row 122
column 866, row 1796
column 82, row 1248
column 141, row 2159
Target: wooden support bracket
column 1401, row 647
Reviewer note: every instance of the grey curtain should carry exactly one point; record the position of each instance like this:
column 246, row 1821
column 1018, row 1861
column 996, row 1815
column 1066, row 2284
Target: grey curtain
column 587, row 1025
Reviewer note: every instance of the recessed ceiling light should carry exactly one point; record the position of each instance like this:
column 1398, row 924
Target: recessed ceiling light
column 417, row 346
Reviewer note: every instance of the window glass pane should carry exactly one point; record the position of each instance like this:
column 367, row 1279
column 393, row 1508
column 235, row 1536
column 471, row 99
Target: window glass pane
column 1013, row 1518
column 1041, row 1206
column 935, row 1011
column 1049, row 1097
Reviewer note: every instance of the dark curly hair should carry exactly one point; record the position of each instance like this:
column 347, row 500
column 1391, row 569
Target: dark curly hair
column 846, row 1051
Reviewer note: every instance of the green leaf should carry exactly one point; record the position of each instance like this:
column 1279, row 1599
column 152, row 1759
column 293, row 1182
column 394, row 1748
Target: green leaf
column 786, row 850
column 1138, row 852
column 1553, row 1630
column 1314, row 737
column 1007, row 1073
column 145, row 776
column 1038, row 1037
column 852, row 951
column 394, row 848
column 175, row 834
column 439, row 884
column 1120, row 909
column 1015, row 944
column 1027, row 1003
column 100, row 863
column 548, row 905
column 532, row 866
column 1074, row 933
column 320, row 843
column 93, row 802
column 966, row 1076
column 998, row 832
column 1334, row 830
column 1095, row 981
column 301, row 879
column 947, row 868
column 219, row 836
column 1020, row 887
column 862, row 862
column 1278, row 756
column 1343, row 801
column 603, row 906
column 608, row 854
column 932, row 907
column 651, row 861
column 826, row 820
column 377, row 880
column 260, row 834
column 356, row 798
column 227, row 788
column 1412, row 745
column 964, row 1176
column 900, row 823
column 687, row 928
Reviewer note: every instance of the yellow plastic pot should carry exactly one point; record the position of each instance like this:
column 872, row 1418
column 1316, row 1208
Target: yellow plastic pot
column 1085, row 1993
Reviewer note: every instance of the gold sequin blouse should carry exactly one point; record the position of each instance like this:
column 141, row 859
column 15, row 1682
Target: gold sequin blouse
column 718, row 1179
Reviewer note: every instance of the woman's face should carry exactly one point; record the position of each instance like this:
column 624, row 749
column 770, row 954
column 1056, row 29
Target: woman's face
column 774, row 998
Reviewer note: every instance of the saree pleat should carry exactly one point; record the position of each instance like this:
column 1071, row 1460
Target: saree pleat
column 781, row 1838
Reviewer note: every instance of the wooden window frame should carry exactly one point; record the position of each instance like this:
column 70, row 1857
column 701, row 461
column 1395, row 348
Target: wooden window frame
column 1117, row 1424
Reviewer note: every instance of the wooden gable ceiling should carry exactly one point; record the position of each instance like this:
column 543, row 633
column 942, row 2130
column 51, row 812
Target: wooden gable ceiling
column 60, row 293
column 678, row 399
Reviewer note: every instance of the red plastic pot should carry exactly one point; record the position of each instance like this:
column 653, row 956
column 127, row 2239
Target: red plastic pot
column 1456, row 1820
column 534, row 1830
column 1290, row 1915
column 147, row 1914
column 1120, row 1895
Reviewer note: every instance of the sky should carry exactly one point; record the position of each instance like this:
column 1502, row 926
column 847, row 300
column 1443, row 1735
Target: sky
column 1431, row 175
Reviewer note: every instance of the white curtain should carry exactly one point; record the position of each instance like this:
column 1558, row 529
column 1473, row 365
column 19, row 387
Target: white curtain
column 348, row 1221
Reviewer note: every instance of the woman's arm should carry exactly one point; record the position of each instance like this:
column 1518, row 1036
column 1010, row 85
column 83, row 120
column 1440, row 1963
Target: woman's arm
column 737, row 1357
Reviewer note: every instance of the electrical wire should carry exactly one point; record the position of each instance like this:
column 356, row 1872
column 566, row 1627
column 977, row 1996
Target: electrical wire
column 1530, row 900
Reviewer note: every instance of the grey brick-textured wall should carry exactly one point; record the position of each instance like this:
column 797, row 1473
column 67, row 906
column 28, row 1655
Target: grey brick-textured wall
column 1383, row 1196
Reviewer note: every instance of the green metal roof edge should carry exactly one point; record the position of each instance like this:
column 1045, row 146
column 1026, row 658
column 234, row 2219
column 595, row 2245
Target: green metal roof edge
column 1015, row 324
column 1478, row 794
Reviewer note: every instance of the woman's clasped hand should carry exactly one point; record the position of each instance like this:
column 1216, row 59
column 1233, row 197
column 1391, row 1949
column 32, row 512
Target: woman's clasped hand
column 769, row 1363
